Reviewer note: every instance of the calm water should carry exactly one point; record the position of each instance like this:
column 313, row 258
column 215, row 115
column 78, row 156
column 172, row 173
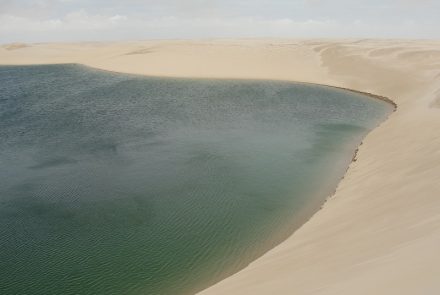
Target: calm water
column 120, row 184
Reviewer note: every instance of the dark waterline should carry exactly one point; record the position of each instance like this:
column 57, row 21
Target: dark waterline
column 121, row 184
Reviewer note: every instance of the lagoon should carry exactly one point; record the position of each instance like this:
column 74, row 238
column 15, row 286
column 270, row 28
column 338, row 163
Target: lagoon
column 123, row 184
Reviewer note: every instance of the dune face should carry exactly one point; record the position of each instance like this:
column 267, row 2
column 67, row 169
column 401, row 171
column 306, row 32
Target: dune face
column 380, row 232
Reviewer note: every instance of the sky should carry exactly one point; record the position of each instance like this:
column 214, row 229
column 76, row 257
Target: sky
column 103, row 20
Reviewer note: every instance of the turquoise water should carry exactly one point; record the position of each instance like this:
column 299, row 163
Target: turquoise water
column 120, row 184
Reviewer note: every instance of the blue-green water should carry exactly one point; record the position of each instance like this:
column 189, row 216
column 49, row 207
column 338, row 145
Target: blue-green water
column 120, row 184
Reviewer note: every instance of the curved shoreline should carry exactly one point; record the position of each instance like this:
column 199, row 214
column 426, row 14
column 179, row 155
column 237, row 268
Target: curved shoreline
column 353, row 154
column 380, row 231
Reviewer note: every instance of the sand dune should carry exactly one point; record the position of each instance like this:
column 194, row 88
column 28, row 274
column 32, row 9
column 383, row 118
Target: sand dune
column 15, row 46
column 380, row 232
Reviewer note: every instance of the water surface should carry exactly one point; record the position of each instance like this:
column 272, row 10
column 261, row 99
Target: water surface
column 120, row 184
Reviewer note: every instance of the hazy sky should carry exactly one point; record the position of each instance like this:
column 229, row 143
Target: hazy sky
column 73, row 20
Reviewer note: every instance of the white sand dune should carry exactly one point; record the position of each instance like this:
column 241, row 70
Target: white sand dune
column 380, row 232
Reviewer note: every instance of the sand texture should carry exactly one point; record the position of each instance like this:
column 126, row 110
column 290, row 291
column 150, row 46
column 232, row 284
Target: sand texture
column 380, row 232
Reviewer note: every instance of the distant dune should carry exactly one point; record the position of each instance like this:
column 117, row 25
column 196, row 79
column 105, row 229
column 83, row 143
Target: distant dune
column 380, row 232
column 14, row 46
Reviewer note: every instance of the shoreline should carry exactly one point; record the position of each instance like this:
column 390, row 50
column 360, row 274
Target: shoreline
column 372, row 95
column 371, row 231
column 353, row 153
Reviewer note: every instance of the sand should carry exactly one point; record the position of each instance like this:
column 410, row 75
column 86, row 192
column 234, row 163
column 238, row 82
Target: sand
column 380, row 232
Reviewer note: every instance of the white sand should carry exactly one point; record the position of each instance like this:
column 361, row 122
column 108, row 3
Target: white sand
column 380, row 232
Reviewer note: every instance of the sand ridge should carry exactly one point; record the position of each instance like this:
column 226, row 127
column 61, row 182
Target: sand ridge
column 380, row 232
